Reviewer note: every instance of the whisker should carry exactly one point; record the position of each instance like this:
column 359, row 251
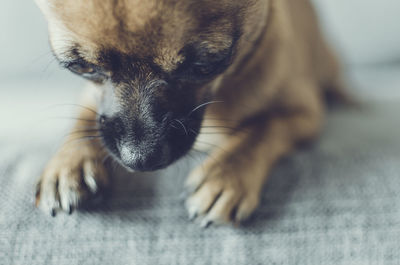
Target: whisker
column 198, row 160
column 84, row 131
column 193, row 131
column 203, row 105
column 40, row 58
column 218, row 119
column 75, row 105
column 74, row 118
column 106, row 157
column 183, row 126
column 210, row 144
column 87, row 128
column 209, row 156
column 173, row 126
column 52, row 60
column 85, row 138
column 222, row 127
column 213, row 145
column 213, row 133
column 229, row 129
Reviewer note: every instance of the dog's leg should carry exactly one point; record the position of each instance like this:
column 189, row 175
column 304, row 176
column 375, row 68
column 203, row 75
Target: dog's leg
column 76, row 171
column 226, row 188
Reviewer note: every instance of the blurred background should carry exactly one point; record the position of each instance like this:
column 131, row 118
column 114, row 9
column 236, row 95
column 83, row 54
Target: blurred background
column 364, row 32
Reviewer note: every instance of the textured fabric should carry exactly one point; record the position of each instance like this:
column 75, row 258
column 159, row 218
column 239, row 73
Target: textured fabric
column 335, row 202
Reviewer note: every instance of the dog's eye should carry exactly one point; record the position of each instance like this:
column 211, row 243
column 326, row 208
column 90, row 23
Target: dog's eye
column 210, row 65
column 201, row 64
column 204, row 68
column 81, row 68
column 87, row 71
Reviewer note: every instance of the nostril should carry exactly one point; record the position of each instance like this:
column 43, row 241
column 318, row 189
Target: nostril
column 102, row 120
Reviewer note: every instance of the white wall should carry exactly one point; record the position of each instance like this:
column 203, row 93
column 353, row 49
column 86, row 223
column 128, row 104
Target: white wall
column 23, row 39
column 366, row 31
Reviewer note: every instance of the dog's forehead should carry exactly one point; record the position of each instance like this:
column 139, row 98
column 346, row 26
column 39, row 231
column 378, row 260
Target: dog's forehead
column 151, row 28
column 119, row 24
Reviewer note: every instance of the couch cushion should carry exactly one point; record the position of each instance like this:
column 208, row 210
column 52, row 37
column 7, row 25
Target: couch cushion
column 336, row 202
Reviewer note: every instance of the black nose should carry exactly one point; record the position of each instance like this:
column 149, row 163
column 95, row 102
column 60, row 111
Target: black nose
column 142, row 160
column 137, row 144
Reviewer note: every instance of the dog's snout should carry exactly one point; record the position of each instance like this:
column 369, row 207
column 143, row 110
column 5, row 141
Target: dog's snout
column 141, row 160
column 137, row 144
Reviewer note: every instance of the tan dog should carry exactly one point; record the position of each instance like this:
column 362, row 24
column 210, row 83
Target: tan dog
column 247, row 77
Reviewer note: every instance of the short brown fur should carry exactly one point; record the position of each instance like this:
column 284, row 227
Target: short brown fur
column 272, row 93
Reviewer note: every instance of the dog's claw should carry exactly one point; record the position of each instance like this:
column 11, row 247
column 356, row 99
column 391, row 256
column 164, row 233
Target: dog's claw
column 220, row 200
column 192, row 212
column 192, row 216
column 206, row 223
column 66, row 189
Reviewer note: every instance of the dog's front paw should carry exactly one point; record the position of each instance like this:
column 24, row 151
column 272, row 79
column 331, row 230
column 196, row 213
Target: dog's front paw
column 75, row 174
column 220, row 195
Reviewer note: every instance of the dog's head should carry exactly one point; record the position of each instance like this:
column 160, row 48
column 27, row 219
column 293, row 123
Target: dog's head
column 154, row 60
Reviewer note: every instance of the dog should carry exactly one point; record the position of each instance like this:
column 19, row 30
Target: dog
column 245, row 80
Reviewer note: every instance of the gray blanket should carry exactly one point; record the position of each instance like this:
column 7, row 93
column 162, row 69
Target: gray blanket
column 335, row 202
